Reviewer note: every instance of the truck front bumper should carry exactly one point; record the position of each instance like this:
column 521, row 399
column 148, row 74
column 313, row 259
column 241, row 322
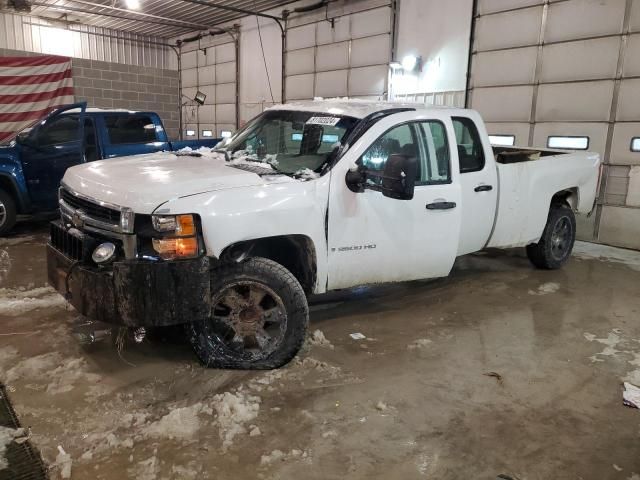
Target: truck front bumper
column 135, row 293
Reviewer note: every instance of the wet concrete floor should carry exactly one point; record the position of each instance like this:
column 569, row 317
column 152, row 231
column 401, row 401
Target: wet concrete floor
column 499, row 369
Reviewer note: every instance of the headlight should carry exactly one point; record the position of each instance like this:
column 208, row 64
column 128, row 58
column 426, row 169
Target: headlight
column 179, row 239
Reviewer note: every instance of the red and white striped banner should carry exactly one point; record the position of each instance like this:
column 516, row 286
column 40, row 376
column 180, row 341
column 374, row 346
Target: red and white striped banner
column 30, row 87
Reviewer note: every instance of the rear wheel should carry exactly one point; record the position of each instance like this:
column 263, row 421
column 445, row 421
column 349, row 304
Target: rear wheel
column 7, row 212
column 259, row 317
column 558, row 237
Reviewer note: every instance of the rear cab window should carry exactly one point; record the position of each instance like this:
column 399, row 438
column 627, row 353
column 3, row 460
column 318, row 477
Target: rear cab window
column 130, row 129
column 470, row 148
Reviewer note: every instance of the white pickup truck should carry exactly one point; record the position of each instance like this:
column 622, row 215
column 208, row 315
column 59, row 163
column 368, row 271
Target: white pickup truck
column 308, row 197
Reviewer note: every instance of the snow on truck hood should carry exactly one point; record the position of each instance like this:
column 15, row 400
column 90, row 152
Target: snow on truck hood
column 143, row 182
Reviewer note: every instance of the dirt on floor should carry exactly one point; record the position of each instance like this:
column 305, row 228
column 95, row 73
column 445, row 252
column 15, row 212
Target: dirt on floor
column 499, row 369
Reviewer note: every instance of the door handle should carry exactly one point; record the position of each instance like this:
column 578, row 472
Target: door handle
column 441, row 205
column 483, row 188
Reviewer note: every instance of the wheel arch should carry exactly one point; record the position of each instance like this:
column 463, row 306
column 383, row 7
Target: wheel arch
column 297, row 253
column 570, row 196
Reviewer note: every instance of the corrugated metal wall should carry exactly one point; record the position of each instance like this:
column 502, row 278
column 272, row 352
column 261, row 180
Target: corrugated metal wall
column 31, row 34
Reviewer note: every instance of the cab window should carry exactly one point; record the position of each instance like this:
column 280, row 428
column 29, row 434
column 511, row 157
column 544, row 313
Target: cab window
column 470, row 151
column 123, row 129
column 59, row 130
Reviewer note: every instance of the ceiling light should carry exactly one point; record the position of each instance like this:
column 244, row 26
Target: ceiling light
column 409, row 62
column 132, row 4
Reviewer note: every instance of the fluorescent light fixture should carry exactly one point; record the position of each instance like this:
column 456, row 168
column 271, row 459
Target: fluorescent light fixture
column 225, row 133
column 635, row 144
column 296, row 137
column 409, row 62
column 568, row 142
column 132, row 4
column 207, row 133
column 200, row 97
column 503, row 140
column 191, row 133
column 395, row 65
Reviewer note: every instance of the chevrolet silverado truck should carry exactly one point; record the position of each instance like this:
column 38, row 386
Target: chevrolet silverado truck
column 33, row 162
column 306, row 198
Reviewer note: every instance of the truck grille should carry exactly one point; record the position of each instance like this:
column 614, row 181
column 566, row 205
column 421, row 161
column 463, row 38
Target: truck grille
column 93, row 210
column 66, row 243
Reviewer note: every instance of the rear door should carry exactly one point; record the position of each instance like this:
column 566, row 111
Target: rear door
column 53, row 146
column 478, row 182
column 373, row 238
column 132, row 134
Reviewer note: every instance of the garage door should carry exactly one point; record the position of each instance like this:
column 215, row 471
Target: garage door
column 346, row 56
column 566, row 74
column 211, row 69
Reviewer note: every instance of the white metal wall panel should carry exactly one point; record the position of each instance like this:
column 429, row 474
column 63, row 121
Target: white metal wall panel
column 519, row 130
column 350, row 59
column 568, row 86
column 493, row 6
column 566, row 102
column 507, row 104
column 575, row 60
column 209, row 67
column 510, row 29
column 629, row 100
column 621, row 145
column 505, row 67
column 575, row 19
column 632, row 56
column 597, row 133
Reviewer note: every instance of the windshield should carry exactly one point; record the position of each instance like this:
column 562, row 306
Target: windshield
column 292, row 142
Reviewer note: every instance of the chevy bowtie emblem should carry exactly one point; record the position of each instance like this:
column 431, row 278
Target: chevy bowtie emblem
column 76, row 219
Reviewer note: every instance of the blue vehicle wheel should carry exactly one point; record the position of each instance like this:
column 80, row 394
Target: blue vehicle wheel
column 7, row 212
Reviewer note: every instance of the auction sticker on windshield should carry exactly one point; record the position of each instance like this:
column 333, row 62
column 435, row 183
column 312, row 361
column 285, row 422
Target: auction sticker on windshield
column 323, row 121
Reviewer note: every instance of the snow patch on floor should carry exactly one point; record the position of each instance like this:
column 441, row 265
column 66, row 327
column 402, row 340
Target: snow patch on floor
column 591, row 251
column 14, row 302
column 616, row 344
column 546, row 288
column 317, row 338
column 280, row 456
column 610, row 343
column 146, row 469
column 234, row 410
column 180, row 423
column 420, row 343
column 9, row 242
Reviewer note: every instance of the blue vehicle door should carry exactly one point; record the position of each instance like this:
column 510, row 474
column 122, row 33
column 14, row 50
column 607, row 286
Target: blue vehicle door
column 56, row 144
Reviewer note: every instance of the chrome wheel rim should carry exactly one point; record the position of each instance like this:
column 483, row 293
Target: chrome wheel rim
column 249, row 318
column 561, row 238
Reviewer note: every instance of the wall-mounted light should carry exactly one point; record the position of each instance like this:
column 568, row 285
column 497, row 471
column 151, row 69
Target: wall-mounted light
column 200, row 97
column 411, row 63
column 132, row 4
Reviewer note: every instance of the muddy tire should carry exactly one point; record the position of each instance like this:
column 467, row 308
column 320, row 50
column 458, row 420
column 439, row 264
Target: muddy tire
column 7, row 212
column 259, row 317
column 558, row 237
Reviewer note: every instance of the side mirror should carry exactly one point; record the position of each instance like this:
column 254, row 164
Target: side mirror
column 399, row 177
column 23, row 138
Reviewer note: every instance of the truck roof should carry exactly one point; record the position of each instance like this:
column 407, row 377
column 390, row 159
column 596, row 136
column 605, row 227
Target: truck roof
column 354, row 107
column 104, row 110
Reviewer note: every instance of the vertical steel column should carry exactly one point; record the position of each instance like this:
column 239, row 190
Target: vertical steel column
column 538, row 70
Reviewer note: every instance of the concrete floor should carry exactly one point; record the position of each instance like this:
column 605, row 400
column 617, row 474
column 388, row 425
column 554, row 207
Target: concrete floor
column 415, row 399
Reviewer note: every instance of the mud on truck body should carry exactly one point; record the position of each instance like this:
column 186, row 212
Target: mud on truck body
column 306, row 198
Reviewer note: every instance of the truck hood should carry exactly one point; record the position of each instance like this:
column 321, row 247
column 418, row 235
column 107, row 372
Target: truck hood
column 143, row 182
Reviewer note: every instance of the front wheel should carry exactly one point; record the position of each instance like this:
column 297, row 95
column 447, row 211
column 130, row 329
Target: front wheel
column 558, row 237
column 259, row 317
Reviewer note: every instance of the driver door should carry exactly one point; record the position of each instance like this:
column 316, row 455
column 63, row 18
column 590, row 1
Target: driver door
column 52, row 147
column 375, row 239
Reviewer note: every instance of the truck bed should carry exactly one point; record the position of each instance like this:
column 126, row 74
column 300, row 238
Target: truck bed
column 528, row 179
